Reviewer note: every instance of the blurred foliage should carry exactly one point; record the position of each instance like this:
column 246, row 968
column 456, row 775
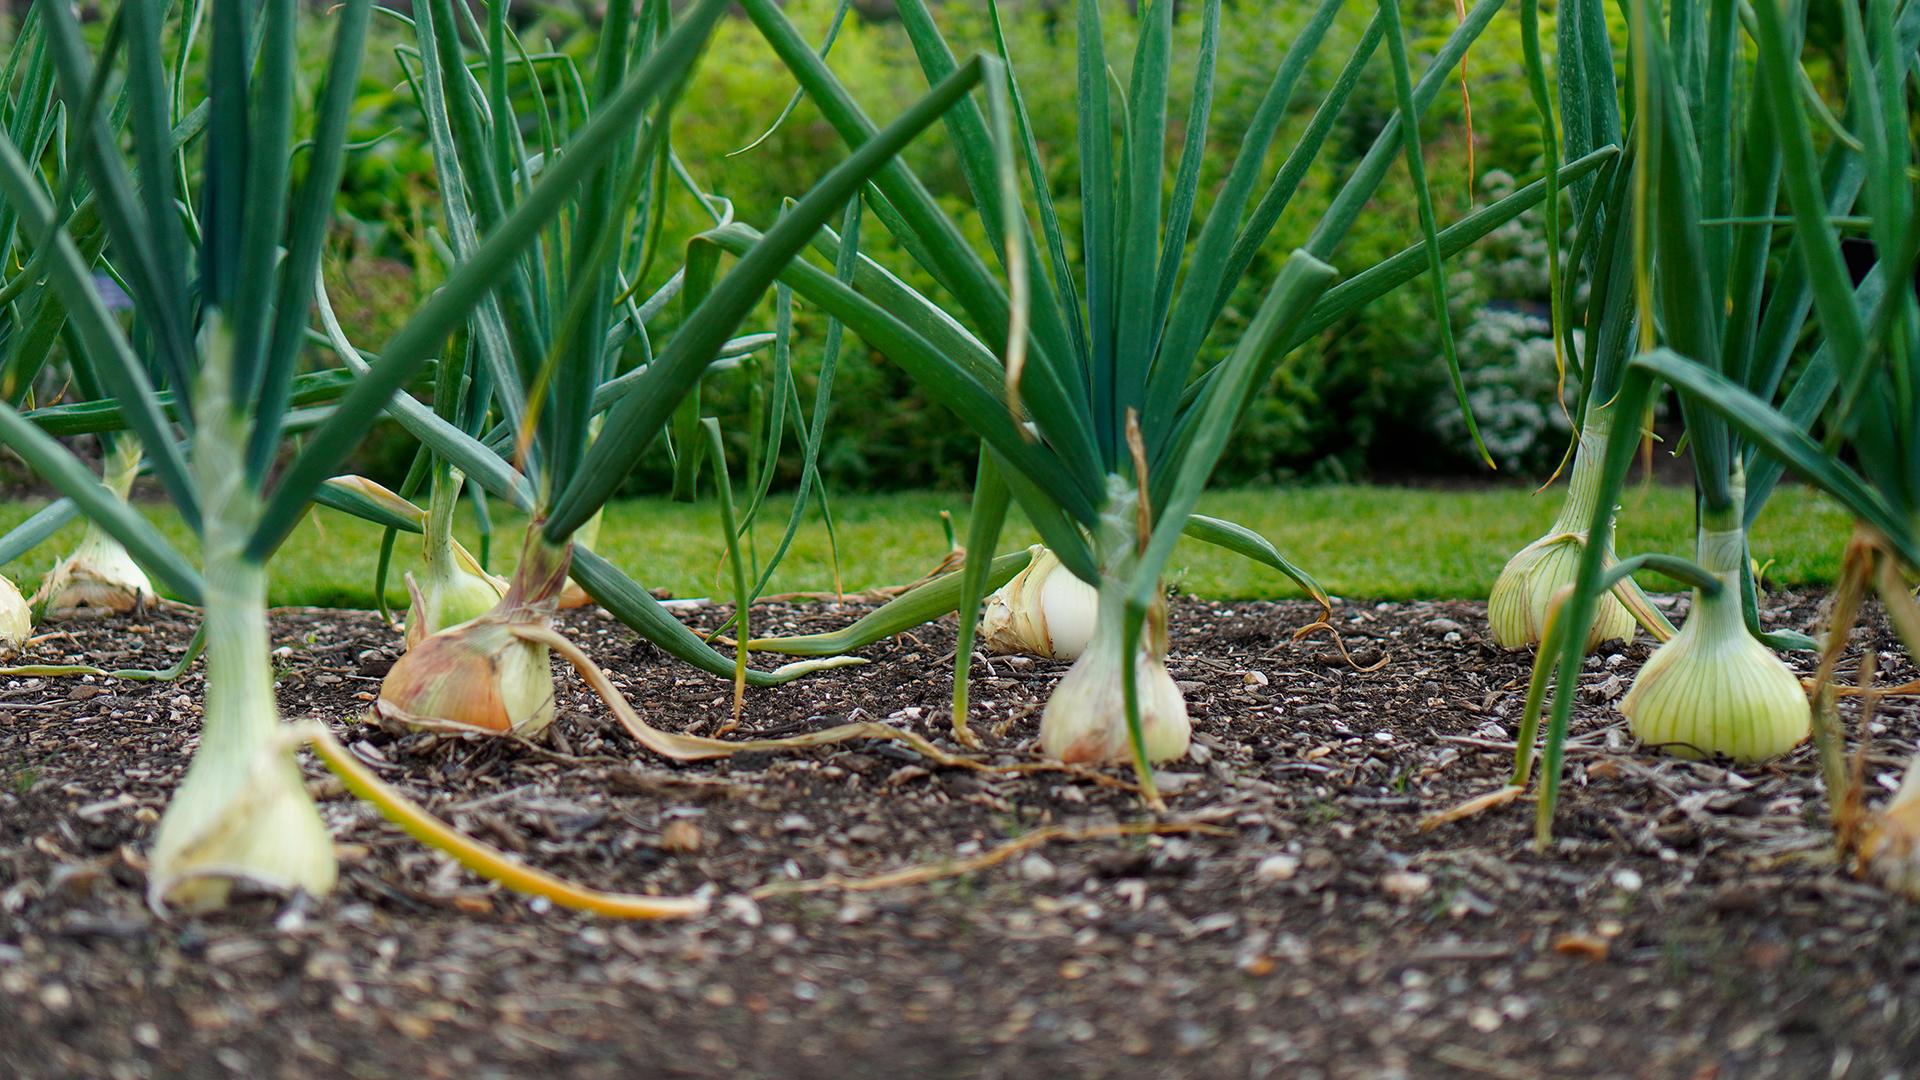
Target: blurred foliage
column 1359, row 401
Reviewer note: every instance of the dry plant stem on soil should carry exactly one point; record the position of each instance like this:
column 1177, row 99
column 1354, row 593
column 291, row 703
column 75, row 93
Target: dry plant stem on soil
column 1881, row 845
column 949, row 868
column 483, row 859
column 677, row 747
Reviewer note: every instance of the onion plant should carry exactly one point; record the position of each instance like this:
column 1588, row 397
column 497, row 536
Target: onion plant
column 568, row 311
column 1712, row 168
column 1592, row 361
column 228, row 349
column 99, row 576
column 1106, row 418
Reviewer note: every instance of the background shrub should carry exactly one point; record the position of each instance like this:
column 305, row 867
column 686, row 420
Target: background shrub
column 1368, row 398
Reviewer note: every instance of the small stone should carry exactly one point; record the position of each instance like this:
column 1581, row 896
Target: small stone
column 1444, row 626
column 147, row 1035
column 681, row 836
column 56, row 997
column 1172, row 783
column 1627, row 880
column 741, row 909
column 795, row 823
column 1483, row 1019
column 866, row 833
column 1277, row 868
column 1406, row 885
column 1036, row 868
column 1254, row 678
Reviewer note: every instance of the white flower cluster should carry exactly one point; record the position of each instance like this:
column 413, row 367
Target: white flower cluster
column 1505, row 342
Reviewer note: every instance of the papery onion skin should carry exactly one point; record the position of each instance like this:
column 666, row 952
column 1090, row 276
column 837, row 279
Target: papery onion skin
column 1044, row 611
column 99, row 578
column 482, row 676
column 478, row 676
column 1888, row 850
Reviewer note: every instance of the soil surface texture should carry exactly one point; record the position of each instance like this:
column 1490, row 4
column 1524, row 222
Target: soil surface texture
column 1689, row 921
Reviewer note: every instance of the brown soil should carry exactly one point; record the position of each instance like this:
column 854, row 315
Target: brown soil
column 1689, row 922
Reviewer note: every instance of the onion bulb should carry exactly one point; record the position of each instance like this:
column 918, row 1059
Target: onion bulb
column 1888, row 844
column 16, row 618
column 1085, row 720
column 1043, row 611
column 477, row 676
column 1714, row 688
column 243, row 812
column 99, row 578
column 1517, row 608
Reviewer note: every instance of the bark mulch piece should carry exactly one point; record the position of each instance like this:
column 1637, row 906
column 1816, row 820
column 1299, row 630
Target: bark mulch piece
column 1689, row 922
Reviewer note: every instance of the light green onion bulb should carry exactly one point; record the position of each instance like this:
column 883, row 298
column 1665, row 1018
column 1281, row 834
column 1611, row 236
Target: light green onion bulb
column 1714, row 688
column 1518, row 606
column 243, row 813
column 454, row 588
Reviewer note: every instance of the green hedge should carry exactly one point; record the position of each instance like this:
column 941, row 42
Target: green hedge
column 1370, row 395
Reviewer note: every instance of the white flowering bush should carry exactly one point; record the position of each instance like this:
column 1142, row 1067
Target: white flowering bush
column 1506, row 347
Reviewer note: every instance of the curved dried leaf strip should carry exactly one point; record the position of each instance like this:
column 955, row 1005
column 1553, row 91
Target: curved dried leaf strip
column 1324, row 626
column 481, row 858
column 1473, row 807
column 676, row 747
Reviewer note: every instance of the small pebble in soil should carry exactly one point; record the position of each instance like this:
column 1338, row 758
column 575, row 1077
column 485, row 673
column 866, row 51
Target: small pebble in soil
column 1036, row 868
column 1406, row 885
column 1277, row 868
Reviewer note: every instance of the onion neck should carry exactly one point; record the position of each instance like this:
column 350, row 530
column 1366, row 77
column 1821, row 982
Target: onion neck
column 1118, row 542
column 240, row 710
column 438, row 539
column 118, row 469
column 540, row 578
column 1583, row 486
column 1720, row 547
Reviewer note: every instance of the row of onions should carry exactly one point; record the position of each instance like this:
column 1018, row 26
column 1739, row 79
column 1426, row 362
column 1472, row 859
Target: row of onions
column 1779, row 357
column 1101, row 382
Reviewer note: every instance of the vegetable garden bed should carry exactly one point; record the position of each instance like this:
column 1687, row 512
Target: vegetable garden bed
column 1690, row 920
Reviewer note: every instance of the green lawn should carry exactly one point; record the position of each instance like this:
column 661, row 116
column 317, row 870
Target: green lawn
column 1361, row 542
